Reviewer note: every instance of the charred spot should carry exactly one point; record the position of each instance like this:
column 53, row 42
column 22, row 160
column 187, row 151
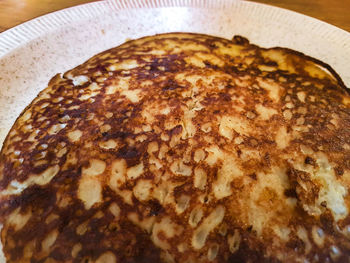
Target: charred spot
column 205, row 199
column 60, row 253
column 270, row 63
column 253, row 176
column 171, row 152
column 170, row 63
column 327, row 220
column 245, row 253
column 78, row 113
column 181, row 189
column 291, row 193
column 212, row 45
column 267, row 158
column 115, row 135
column 171, row 85
column 230, row 86
column 239, row 40
column 309, row 160
column 40, row 196
column 39, row 169
column 130, row 154
column 155, row 207
column 225, row 96
column 296, row 244
column 176, row 130
column 209, row 65
column 339, row 171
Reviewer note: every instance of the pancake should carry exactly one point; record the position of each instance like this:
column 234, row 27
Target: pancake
column 181, row 148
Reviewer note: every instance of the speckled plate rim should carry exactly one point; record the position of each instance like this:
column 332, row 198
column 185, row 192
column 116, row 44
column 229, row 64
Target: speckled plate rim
column 24, row 33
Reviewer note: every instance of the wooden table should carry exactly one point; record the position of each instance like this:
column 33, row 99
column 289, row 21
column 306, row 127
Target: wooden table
column 14, row 12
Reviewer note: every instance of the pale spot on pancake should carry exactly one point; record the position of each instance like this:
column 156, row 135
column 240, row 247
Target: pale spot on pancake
column 126, row 64
column 282, row 137
column 167, row 228
column 94, row 87
column 234, row 241
column 346, row 100
column 206, row 127
column 152, row 147
column 182, row 203
column 141, row 138
column 95, row 167
column 111, row 89
column 145, row 223
column 199, row 155
column 75, row 135
column 126, row 195
column 107, row 257
column 51, row 218
column 115, row 210
column 79, row 80
column 88, row 95
column 213, row 252
column 196, row 216
column 301, row 96
column 228, row 171
column 132, row 95
column 318, row 236
column 179, row 168
column 135, row 171
column 265, row 113
column 200, row 178
column 165, row 110
column 76, row 249
column 89, row 191
column 49, row 240
column 54, row 129
column 29, row 248
column 303, row 235
column 90, row 188
column 195, row 61
column 228, row 124
column 105, row 128
column 118, row 174
column 61, row 152
column 110, row 144
column 272, row 88
column 209, row 224
column 142, row 189
column 26, row 116
column 109, row 115
column 214, row 155
column 18, row 220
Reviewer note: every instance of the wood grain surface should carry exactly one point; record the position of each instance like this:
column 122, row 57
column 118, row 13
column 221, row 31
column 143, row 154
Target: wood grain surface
column 14, row 12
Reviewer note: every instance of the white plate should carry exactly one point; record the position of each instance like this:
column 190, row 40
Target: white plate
column 31, row 53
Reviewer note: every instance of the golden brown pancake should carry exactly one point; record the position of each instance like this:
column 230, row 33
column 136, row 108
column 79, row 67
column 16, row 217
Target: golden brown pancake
column 181, row 148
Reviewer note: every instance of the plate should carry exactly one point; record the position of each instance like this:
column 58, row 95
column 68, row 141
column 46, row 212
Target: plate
column 33, row 52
